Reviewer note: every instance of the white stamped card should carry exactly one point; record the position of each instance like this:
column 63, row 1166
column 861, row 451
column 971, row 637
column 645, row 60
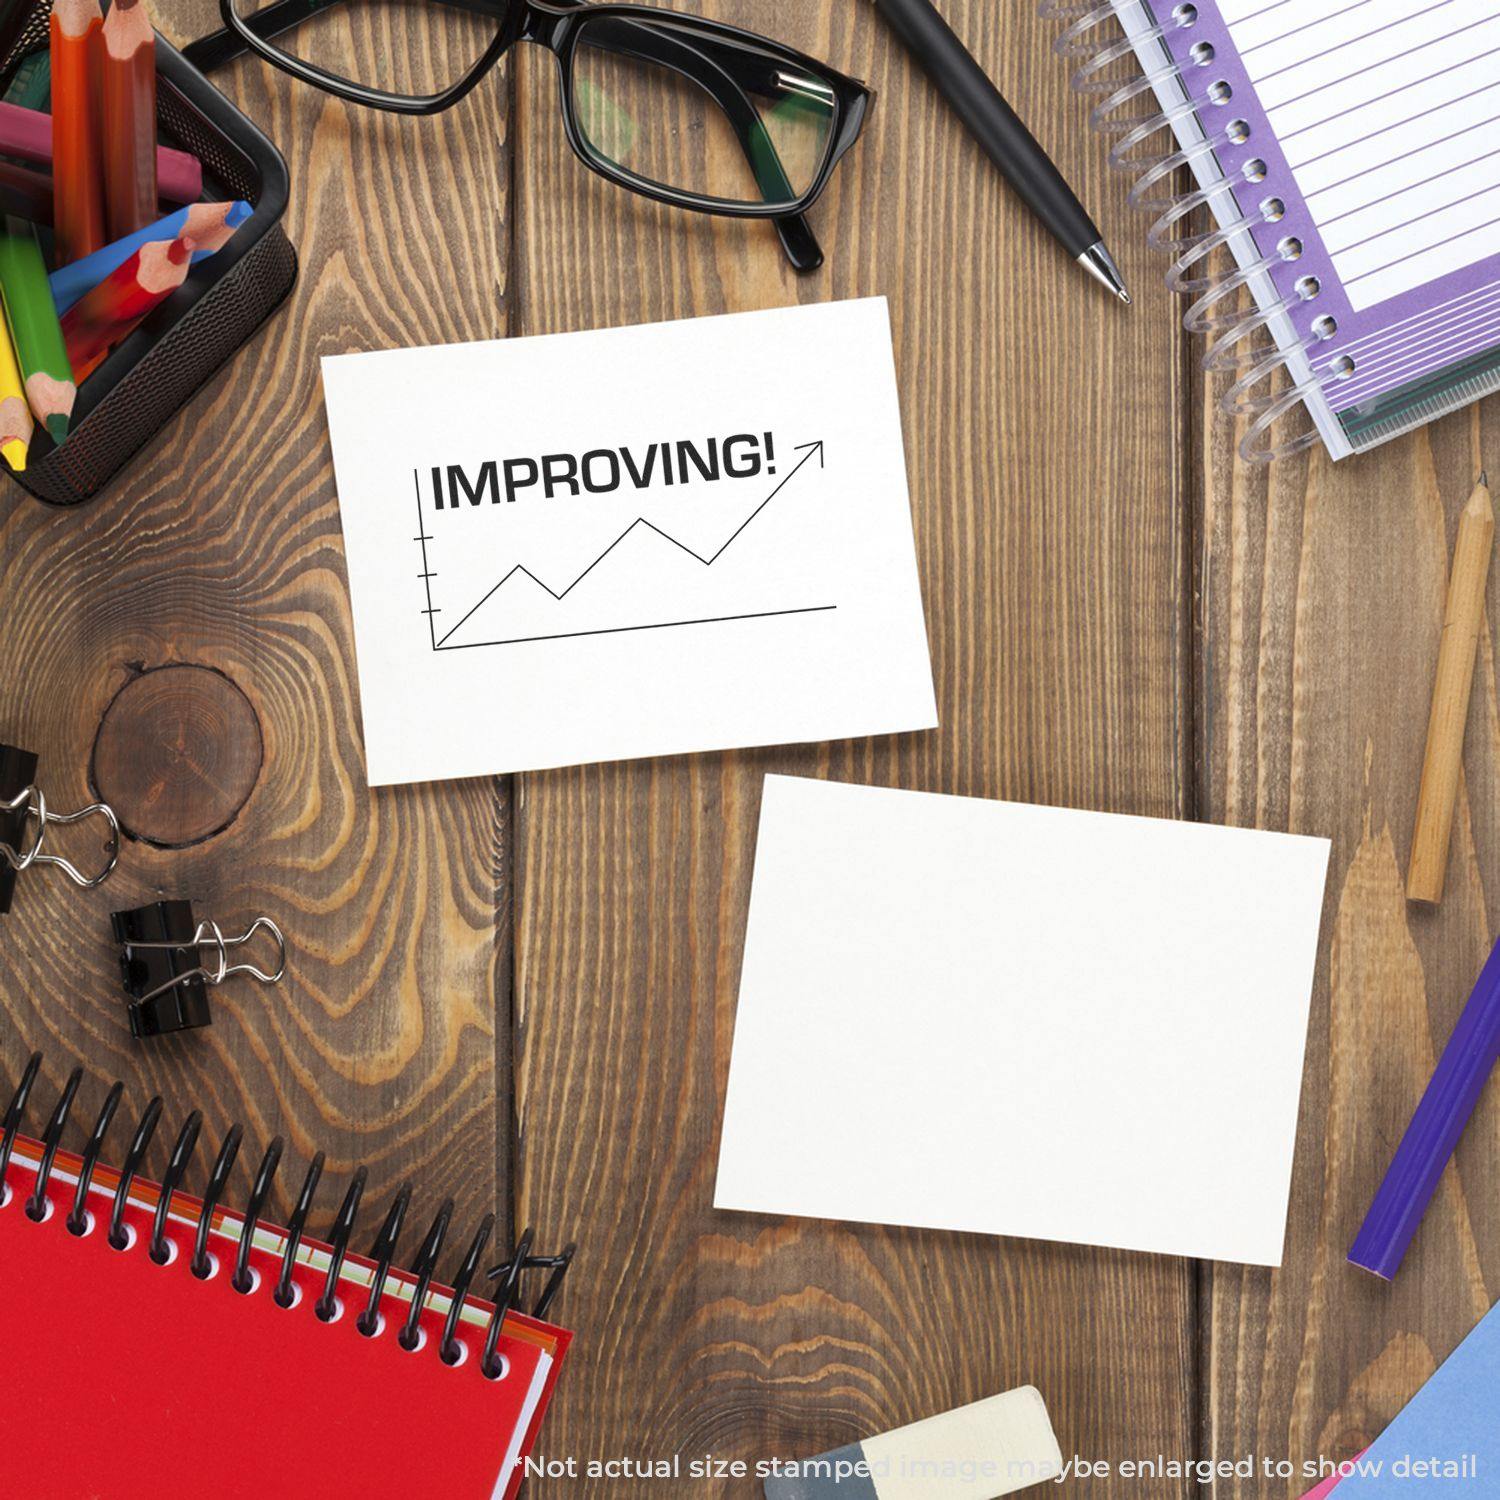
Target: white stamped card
column 1002, row 1019
column 639, row 541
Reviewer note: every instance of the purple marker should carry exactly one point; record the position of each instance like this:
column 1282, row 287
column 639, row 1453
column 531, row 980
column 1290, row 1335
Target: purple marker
column 1432, row 1137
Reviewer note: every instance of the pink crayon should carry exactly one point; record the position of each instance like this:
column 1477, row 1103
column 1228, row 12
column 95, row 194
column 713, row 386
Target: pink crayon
column 26, row 134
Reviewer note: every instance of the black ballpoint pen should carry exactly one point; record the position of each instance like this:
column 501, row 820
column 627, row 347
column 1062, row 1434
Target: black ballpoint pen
column 998, row 129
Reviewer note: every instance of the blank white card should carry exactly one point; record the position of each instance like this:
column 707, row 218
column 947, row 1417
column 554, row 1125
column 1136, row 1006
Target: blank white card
column 1016, row 1020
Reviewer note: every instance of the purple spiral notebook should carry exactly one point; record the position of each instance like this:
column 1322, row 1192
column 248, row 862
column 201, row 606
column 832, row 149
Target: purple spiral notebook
column 1349, row 154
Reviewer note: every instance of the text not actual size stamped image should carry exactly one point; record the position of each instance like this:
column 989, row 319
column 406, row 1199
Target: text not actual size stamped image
column 595, row 546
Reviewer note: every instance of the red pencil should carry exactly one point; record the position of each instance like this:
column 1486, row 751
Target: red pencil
column 98, row 321
column 128, row 87
column 75, row 32
column 26, row 193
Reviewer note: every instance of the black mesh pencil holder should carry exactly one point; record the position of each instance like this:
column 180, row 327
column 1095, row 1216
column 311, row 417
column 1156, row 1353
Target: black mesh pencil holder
column 165, row 362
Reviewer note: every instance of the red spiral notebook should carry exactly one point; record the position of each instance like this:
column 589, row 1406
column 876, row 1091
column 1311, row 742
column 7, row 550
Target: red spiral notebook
column 132, row 1379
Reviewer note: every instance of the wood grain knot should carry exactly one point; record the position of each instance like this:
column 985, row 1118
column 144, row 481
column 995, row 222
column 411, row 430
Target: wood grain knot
column 178, row 752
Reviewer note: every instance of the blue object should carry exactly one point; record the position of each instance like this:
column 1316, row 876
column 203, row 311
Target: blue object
column 1446, row 1441
column 74, row 281
column 1433, row 1135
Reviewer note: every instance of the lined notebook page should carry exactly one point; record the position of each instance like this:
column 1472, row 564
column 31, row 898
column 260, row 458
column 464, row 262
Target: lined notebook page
column 1389, row 113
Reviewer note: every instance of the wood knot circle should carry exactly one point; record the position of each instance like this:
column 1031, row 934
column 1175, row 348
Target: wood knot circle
column 177, row 754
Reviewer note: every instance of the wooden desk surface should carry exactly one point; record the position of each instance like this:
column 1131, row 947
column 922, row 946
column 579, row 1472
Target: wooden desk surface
column 520, row 992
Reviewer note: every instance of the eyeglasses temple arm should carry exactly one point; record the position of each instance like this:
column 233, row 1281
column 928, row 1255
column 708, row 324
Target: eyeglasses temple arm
column 797, row 238
column 223, row 46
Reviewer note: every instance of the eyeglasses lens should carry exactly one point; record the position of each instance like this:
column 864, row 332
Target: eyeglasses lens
column 675, row 107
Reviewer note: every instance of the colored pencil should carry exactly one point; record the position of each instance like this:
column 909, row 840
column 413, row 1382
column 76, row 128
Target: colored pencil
column 34, row 329
column 16, row 425
column 1463, row 619
column 26, row 134
column 128, row 89
column 76, row 168
column 25, row 193
column 1435, row 1130
column 31, row 87
column 96, row 323
column 209, row 225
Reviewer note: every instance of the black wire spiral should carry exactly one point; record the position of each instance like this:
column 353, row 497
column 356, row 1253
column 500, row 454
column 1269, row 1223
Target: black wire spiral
column 383, row 1251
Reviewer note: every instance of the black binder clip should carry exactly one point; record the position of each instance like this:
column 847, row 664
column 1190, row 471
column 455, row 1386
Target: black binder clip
column 25, row 820
column 165, row 974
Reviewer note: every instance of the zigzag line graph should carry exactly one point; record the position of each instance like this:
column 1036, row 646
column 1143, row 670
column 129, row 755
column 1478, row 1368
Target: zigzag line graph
column 520, row 570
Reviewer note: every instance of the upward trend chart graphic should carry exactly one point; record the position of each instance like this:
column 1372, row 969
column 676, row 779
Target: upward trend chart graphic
column 623, row 581
column 648, row 505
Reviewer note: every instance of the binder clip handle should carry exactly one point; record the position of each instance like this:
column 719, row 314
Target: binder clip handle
column 30, row 804
column 210, row 934
column 167, row 972
column 226, row 970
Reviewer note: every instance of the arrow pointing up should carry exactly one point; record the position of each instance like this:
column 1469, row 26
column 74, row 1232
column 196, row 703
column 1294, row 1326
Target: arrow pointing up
column 808, row 450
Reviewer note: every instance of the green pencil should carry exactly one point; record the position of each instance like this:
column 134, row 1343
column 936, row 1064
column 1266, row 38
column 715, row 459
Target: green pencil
column 31, row 87
column 34, row 328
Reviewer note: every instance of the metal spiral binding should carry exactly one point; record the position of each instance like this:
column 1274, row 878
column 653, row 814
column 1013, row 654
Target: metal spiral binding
column 1119, row 113
column 202, row 1264
column 160, row 1248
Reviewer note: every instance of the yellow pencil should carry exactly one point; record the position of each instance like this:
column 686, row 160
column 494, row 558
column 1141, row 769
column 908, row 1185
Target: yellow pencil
column 15, row 414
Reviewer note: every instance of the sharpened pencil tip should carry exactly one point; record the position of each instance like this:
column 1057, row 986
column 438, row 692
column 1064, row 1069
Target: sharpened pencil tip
column 1484, row 478
column 57, row 427
column 15, row 454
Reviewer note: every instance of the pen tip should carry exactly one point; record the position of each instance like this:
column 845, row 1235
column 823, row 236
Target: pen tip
column 1098, row 262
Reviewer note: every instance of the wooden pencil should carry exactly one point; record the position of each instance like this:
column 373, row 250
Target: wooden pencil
column 31, row 85
column 210, row 226
column 128, row 88
column 98, row 321
column 35, row 331
column 25, row 193
column 28, row 194
column 16, row 425
column 1463, row 619
column 78, row 178
column 26, row 134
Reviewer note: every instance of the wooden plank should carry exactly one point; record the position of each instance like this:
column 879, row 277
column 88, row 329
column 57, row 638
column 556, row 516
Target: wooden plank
column 221, row 550
column 1048, row 491
column 1323, row 590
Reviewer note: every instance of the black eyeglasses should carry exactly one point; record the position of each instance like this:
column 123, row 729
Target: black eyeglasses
column 679, row 109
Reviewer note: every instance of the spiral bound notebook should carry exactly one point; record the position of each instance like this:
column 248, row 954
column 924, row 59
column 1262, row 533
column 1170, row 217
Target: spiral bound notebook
column 1350, row 155
column 132, row 1376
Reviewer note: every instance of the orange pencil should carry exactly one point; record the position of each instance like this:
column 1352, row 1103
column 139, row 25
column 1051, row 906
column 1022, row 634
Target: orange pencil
column 78, row 179
column 98, row 321
column 129, row 116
